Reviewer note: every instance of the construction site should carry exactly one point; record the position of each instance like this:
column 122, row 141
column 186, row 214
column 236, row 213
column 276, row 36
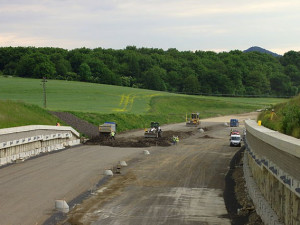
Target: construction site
column 176, row 167
column 182, row 173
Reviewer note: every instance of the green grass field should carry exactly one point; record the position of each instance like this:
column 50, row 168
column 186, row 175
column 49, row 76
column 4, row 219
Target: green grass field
column 172, row 109
column 77, row 96
column 98, row 98
column 97, row 103
column 13, row 114
column 207, row 106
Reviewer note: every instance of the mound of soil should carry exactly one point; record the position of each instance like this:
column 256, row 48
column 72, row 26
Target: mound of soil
column 92, row 132
column 165, row 140
column 125, row 142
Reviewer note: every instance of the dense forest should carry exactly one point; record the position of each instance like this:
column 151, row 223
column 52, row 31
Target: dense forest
column 228, row 73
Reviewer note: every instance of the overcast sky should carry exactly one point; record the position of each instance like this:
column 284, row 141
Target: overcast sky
column 217, row 25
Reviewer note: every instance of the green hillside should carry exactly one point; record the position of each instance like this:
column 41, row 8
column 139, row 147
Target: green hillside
column 77, row 96
column 13, row 114
column 99, row 98
column 283, row 117
column 172, row 109
column 130, row 107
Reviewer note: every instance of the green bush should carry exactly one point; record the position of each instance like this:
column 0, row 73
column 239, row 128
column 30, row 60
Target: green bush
column 290, row 118
column 286, row 117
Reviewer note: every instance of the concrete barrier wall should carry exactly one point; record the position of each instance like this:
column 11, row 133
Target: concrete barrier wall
column 262, row 207
column 273, row 161
column 20, row 143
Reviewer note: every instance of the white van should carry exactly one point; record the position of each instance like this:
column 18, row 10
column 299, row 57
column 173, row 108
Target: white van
column 235, row 140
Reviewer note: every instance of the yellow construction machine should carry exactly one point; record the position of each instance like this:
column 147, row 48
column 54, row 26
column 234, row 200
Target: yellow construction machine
column 193, row 121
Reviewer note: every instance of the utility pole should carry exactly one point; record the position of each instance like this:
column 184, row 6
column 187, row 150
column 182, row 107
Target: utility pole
column 44, row 91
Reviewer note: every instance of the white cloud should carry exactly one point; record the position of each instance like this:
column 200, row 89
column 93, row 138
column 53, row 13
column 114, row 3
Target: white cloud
column 181, row 24
column 191, row 8
column 12, row 39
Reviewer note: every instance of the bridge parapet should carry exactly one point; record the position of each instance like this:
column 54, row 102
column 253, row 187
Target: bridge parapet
column 20, row 143
column 274, row 162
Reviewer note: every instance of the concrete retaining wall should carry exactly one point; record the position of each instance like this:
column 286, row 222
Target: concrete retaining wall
column 20, row 143
column 273, row 161
column 262, row 207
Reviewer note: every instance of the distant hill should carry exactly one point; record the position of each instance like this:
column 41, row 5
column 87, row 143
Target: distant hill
column 261, row 50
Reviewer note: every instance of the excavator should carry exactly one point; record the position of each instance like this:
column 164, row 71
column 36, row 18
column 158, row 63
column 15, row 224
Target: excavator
column 193, row 121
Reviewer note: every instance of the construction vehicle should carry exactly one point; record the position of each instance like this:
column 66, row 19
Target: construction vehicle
column 154, row 131
column 106, row 128
column 193, row 121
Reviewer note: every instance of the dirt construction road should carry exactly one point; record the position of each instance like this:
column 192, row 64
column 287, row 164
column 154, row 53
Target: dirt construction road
column 180, row 184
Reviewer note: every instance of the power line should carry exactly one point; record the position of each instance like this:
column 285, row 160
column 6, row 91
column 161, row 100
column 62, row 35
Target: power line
column 44, row 91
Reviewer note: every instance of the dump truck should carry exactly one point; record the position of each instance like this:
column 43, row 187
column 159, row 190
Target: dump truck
column 153, row 132
column 106, row 128
column 193, row 121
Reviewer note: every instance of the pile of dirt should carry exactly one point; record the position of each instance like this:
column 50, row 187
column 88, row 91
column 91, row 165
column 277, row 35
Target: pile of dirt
column 80, row 125
column 239, row 206
column 165, row 140
column 92, row 132
column 125, row 142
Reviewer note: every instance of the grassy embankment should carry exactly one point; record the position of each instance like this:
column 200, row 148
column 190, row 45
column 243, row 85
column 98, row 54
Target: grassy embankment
column 285, row 118
column 130, row 108
column 13, row 114
column 77, row 96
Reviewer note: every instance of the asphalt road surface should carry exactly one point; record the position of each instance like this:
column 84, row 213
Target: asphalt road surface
column 180, row 184
column 28, row 190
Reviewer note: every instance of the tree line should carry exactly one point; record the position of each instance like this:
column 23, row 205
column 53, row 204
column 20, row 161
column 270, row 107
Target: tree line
column 201, row 72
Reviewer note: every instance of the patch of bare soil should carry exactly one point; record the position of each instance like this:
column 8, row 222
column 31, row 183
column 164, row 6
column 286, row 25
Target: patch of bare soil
column 165, row 140
column 80, row 125
column 239, row 206
column 207, row 136
column 98, row 199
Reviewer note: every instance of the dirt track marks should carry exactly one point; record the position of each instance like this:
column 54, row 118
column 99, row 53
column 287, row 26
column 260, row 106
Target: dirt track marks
column 98, row 199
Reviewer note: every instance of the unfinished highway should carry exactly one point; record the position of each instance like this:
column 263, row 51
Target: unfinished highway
column 29, row 189
column 180, row 184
